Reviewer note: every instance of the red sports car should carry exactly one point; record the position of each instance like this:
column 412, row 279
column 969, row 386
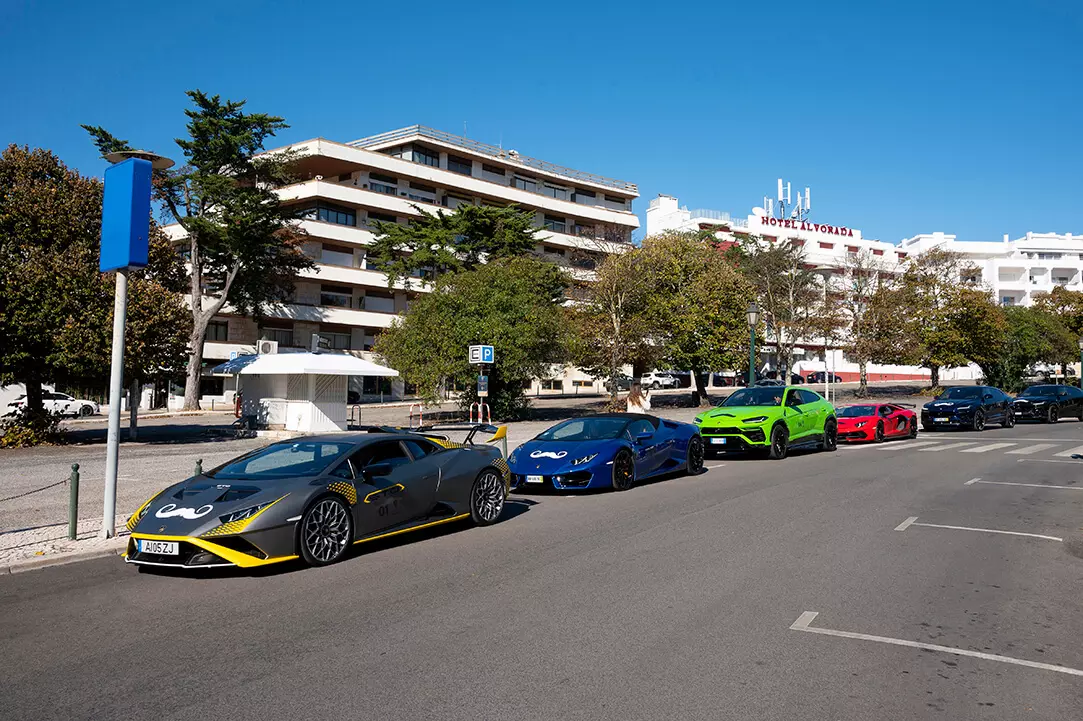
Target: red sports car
column 876, row 421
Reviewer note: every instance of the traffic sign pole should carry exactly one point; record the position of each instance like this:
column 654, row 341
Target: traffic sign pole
column 116, row 390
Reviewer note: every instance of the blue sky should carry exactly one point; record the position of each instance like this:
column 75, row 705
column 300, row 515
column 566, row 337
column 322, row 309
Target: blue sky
column 959, row 116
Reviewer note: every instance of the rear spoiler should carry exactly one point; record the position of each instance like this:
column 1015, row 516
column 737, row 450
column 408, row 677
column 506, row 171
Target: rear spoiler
column 439, row 431
column 905, row 405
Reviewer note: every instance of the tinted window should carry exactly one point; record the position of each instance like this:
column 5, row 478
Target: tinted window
column 344, row 470
column 755, row 397
column 857, row 411
column 585, row 429
column 420, row 449
column 637, row 428
column 807, row 396
column 793, row 399
column 954, row 394
column 1041, row 391
column 382, row 452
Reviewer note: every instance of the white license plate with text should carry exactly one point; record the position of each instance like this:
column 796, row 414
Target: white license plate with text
column 161, row 548
column 718, row 441
column 535, row 479
column 941, row 420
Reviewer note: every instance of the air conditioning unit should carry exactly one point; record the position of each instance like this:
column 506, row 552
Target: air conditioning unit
column 267, row 347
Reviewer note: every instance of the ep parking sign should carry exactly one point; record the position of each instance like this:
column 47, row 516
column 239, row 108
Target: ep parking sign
column 481, row 354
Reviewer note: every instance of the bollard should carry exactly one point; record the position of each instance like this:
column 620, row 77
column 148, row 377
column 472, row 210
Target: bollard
column 199, row 466
column 73, row 503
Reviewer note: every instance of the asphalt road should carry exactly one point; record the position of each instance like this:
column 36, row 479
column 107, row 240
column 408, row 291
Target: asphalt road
column 674, row 600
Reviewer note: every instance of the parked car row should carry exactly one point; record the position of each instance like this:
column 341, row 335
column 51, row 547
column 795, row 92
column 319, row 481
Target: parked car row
column 60, row 403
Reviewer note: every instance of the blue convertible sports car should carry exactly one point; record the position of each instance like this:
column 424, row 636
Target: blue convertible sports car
column 606, row 451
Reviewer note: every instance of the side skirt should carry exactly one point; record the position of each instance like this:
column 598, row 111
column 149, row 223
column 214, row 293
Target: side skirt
column 413, row 527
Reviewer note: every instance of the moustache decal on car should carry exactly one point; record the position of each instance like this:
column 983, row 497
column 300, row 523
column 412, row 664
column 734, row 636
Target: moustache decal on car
column 170, row 510
column 549, row 454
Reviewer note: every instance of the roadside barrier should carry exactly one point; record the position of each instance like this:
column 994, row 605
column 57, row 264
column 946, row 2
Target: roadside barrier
column 73, row 498
column 483, row 413
column 420, row 414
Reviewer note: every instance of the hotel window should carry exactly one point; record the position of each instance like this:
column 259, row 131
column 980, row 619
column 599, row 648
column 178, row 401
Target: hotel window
column 826, row 245
column 336, row 296
column 616, row 201
column 582, row 384
column 556, row 225
column 426, row 157
column 462, row 166
column 586, row 197
column 336, row 341
column 383, row 183
column 218, row 330
column 584, row 231
column 851, row 249
column 345, row 177
column 554, row 191
column 282, row 336
column 337, row 215
column 382, row 217
column 1007, row 300
column 422, row 193
column 877, row 252
column 336, row 255
column 552, row 385
column 527, row 184
column 493, row 170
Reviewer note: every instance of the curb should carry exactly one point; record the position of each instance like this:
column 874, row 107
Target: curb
column 39, row 562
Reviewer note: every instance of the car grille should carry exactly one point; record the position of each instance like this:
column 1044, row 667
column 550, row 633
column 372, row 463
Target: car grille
column 755, row 435
column 190, row 555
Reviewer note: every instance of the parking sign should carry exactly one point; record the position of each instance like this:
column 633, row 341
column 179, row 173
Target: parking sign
column 481, row 354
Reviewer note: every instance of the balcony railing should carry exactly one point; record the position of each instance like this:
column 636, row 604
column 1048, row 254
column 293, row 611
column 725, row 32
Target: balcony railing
column 509, row 156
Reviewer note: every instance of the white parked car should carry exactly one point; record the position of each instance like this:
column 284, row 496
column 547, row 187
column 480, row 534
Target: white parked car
column 656, row 380
column 60, row 402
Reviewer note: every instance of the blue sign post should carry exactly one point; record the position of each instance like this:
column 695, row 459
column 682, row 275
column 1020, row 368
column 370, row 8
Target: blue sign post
column 125, row 244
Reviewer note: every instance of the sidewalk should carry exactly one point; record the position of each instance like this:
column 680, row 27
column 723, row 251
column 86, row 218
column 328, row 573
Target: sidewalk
column 27, row 549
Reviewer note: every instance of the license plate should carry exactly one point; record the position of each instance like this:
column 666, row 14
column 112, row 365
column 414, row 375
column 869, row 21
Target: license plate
column 940, row 420
column 718, row 441
column 161, row 548
column 1019, row 413
column 535, row 479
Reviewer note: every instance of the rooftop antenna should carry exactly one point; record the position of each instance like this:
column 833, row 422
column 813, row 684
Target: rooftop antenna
column 787, row 209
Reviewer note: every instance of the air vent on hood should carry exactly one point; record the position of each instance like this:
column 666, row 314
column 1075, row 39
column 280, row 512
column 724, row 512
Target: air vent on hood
column 193, row 490
column 236, row 493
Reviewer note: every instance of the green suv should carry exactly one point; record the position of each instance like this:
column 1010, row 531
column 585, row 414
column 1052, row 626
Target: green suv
column 772, row 419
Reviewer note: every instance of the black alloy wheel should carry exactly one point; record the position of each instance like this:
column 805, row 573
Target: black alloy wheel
column 487, row 497
column 624, row 470
column 780, row 443
column 695, row 455
column 879, row 437
column 1052, row 415
column 325, row 531
column 979, row 420
column 913, row 427
column 1009, row 418
column 831, row 435
column 85, row 411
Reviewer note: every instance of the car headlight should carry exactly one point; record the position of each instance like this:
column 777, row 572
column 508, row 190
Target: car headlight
column 965, row 408
column 244, row 513
column 514, row 455
column 584, row 459
column 755, row 419
column 140, row 512
column 860, row 424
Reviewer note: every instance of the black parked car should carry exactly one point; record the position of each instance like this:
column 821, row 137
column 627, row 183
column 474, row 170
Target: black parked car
column 968, row 407
column 1048, row 403
column 624, row 383
column 818, row 377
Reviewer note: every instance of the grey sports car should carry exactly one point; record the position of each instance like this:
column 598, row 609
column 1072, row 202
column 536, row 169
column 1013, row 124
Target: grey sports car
column 313, row 497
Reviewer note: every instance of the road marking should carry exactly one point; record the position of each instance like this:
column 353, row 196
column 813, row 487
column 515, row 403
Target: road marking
column 989, row 447
column 908, row 446
column 1068, row 453
column 913, row 521
column 1044, row 460
column 1027, row 450
column 950, row 446
column 1028, row 485
column 806, row 618
column 906, row 524
column 711, row 468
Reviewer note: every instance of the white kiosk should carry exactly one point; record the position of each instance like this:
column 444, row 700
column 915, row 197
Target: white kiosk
column 301, row 392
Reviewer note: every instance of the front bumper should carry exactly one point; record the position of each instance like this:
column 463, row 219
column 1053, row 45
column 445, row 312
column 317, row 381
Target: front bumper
column 963, row 418
column 850, row 433
column 195, row 553
column 571, row 481
column 733, row 438
column 1029, row 411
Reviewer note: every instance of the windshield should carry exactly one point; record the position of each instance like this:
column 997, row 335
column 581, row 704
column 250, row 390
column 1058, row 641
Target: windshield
column 957, row 393
column 755, row 397
column 283, row 461
column 1041, row 391
column 585, row 429
column 857, row 411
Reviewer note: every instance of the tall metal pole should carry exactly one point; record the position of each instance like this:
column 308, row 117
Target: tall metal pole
column 827, row 370
column 751, row 356
column 116, row 391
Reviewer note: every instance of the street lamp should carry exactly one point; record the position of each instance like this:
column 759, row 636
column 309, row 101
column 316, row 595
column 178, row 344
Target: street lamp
column 124, row 245
column 753, row 318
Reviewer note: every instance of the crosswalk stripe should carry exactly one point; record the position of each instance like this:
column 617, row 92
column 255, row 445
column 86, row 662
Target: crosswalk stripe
column 1027, row 450
column 949, row 446
column 904, row 446
column 1068, row 453
column 988, row 447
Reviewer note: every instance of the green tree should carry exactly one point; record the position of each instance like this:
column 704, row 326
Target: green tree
column 611, row 321
column 1033, row 337
column 441, row 242
column 787, row 291
column 696, row 305
column 242, row 244
column 1067, row 306
column 513, row 304
column 867, row 319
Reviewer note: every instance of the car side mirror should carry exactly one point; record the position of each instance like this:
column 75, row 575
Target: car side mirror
column 644, row 437
column 376, row 470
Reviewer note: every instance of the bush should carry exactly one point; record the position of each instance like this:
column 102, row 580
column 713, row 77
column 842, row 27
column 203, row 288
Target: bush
column 25, row 428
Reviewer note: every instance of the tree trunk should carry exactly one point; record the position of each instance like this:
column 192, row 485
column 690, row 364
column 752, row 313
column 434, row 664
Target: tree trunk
column 700, row 394
column 1064, row 373
column 863, row 371
column 133, row 410
column 934, row 376
column 195, row 364
column 33, row 393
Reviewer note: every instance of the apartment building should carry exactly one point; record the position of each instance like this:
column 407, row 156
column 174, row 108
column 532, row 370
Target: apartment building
column 344, row 187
